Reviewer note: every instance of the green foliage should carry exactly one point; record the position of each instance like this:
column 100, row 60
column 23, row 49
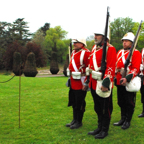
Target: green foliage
column 15, row 31
column 6, row 34
column 38, row 37
column 44, row 113
column 54, row 41
column 7, row 73
column 21, row 33
column 90, row 42
column 45, row 28
column 140, row 43
column 119, row 27
column 11, row 32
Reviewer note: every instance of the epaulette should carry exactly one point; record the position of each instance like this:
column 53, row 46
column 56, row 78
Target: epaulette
column 109, row 45
column 136, row 50
column 86, row 49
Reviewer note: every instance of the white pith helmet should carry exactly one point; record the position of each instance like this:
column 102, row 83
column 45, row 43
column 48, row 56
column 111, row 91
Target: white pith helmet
column 81, row 40
column 128, row 36
column 101, row 31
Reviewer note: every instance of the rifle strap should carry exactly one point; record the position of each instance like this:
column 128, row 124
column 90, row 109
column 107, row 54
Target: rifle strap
column 94, row 59
column 81, row 60
column 122, row 56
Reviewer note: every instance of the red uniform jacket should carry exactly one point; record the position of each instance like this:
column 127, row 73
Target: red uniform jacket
column 134, row 66
column 110, row 63
column 77, row 84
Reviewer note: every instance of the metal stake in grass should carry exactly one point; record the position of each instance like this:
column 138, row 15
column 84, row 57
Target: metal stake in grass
column 19, row 97
column 19, row 93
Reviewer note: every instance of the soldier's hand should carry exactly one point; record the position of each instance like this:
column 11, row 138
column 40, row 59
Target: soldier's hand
column 123, row 81
column 104, row 89
column 84, row 88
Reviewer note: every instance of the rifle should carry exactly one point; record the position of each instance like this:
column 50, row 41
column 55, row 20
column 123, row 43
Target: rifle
column 103, row 62
column 70, row 50
column 131, row 52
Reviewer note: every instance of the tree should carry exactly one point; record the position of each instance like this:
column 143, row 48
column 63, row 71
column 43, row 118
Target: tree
column 20, row 31
column 119, row 27
column 39, row 55
column 90, row 42
column 8, row 56
column 54, row 42
column 39, row 38
column 6, row 35
column 45, row 28
column 140, row 43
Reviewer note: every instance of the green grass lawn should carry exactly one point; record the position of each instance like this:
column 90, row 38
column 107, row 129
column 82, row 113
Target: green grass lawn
column 44, row 113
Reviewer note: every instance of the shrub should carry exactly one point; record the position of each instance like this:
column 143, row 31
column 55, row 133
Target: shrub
column 66, row 65
column 54, row 69
column 8, row 56
column 17, row 63
column 39, row 55
column 30, row 66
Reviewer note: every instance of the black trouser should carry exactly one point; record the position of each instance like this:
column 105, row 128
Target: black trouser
column 142, row 94
column 126, row 101
column 77, row 101
column 103, row 107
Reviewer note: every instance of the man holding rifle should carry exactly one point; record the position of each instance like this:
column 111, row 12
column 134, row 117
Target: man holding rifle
column 126, row 98
column 102, row 70
column 79, row 60
column 101, row 88
column 142, row 86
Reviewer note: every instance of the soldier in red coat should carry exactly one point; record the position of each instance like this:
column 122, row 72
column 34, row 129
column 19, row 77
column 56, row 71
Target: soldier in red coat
column 142, row 86
column 101, row 89
column 78, row 62
column 126, row 99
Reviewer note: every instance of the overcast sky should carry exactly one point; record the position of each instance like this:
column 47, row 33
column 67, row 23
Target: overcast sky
column 78, row 17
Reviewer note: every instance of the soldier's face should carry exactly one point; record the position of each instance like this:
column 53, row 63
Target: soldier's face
column 98, row 39
column 77, row 45
column 127, row 44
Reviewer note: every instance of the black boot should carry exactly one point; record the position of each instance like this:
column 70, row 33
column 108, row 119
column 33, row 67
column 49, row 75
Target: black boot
column 97, row 130
column 78, row 122
column 142, row 114
column 76, row 125
column 103, row 133
column 120, row 122
column 94, row 132
column 74, row 119
column 125, row 125
column 72, row 122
